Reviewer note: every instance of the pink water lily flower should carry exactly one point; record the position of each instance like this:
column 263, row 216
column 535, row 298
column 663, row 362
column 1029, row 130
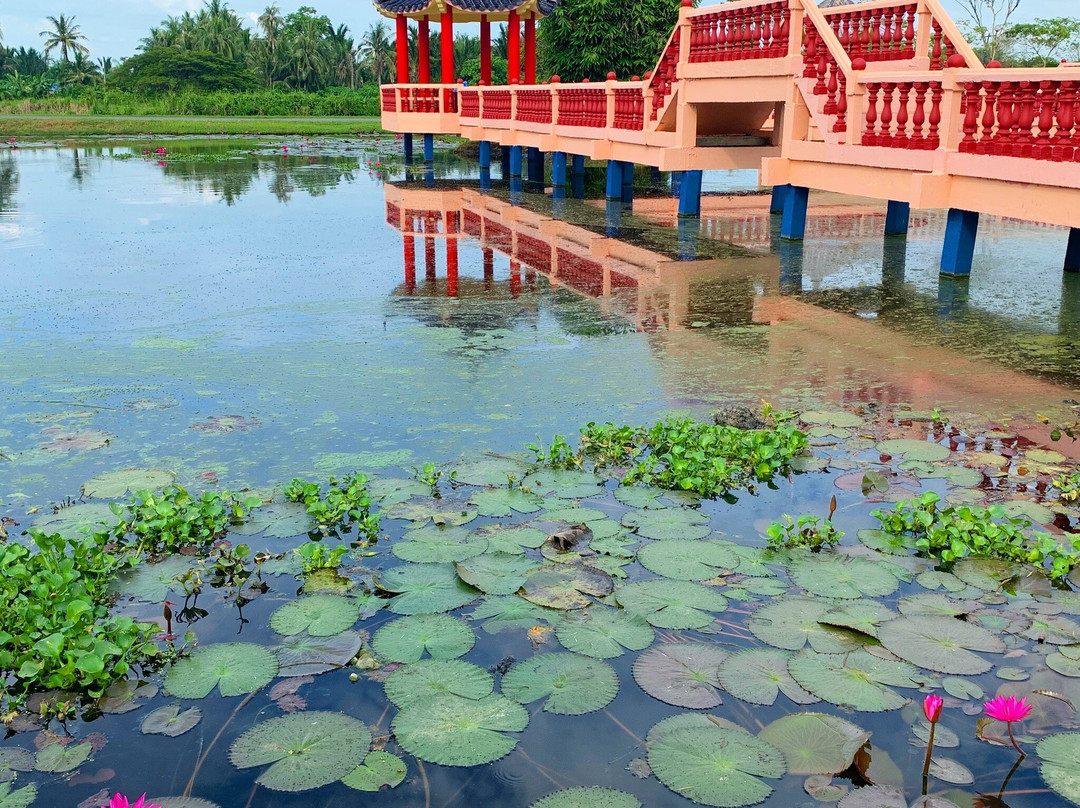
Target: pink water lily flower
column 120, row 801
column 1008, row 709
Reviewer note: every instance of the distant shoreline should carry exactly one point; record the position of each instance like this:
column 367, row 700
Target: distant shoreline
column 76, row 125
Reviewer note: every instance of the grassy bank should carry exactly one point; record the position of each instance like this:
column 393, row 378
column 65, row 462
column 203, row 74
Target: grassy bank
column 26, row 126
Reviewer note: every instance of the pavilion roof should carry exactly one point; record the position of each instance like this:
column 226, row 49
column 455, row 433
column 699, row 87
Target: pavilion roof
column 465, row 10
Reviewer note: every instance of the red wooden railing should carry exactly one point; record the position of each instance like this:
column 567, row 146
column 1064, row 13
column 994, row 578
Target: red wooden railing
column 582, row 107
column 1036, row 119
column 534, row 106
column 470, row 103
column 903, row 115
column 497, row 105
column 878, row 34
column 389, row 100
column 746, row 32
column 828, row 78
column 663, row 78
column 629, row 108
column 941, row 48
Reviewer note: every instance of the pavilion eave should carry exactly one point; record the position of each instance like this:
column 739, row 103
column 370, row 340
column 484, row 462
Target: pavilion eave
column 467, row 11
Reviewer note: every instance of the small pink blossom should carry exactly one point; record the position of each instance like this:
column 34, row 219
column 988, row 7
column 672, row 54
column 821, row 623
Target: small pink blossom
column 120, row 801
column 1007, row 709
column 932, row 708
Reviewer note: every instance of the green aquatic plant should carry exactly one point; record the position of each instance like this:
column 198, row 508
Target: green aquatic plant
column 431, row 475
column 1068, row 486
column 611, row 445
column 166, row 521
column 345, row 504
column 813, row 532
column 316, row 556
column 559, row 455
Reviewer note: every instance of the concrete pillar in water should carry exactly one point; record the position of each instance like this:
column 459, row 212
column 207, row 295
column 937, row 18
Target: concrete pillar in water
column 429, row 148
column 558, row 203
column 952, row 295
column 517, row 187
column 558, row 170
column 628, row 184
column 613, row 188
column 896, row 218
column 1072, row 252
column 515, row 278
column 690, row 194
column 485, row 154
column 407, row 143
column 489, row 263
column 779, row 195
column 893, row 264
column 577, row 176
column 793, row 220
column 536, row 165
column 485, row 179
column 515, row 161
column 959, row 248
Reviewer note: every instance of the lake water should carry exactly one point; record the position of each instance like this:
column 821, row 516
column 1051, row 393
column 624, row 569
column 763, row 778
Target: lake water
column 240, row 317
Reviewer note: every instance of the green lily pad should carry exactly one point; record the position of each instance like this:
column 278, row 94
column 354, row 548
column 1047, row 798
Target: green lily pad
column 304, row 655
column 504, row 501
column 115, row 484
column 934, row 579
column 963, row 689
column 1046, row 456
column 835, row 576
column 1026, row 509
column 72, row 522
column 913, row 449
column 306, row 749
column 687, row 560
column 493, row 471
column 318, row 615
column 1049, row 628
column 672, row 604
column 440, row 511
column 425, row 588
column 410, row 685
column 569, row 484
column 14, row 759
column 604, row 633
column 950, row 771
column 668, row 523
column 863, row 616
column 714, row 766
column 838, row 418
column 815, row 743
column 1060, row 767
column 572, row 684
column 941, row 644
column 681, row 673
column 125, row 696
column 640, row 496
column 934, row 604
column 591, row 797
column 944, row 738
column 792, row 622
column 496, row 573
column 331, row 462
column 512, row 539
column 573, row 515
column 152, row 582
column 858, row 679
column 566, row 586
column 378, row 769
column 389, row 491
column 19, row 798
column 987, row 574
column 1064, row 665
column 885, row 542
column 235, row 668
column 881, row 797
column 510, row 613
column 439, row 545
column 759, row 675
column 279, row 520
column 455, row 731
column 407, row 638
column 170, row 720
column 58, row 758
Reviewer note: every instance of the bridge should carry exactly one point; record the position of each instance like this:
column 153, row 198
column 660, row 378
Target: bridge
column 881, row 99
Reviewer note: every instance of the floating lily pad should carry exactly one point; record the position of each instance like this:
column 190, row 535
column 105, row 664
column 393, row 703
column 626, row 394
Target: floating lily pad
column 389, row 491
column 759, row 675
column 863, row 616
column 115, row 484
column 74, row 521
column 570, row 484
column 857, row 679
column 838, row 418
column 407, row 638
column 19, row 798
column 914, row 449
column 170, row 720
column 125, row 696
column 1063, row 665
column 378, row 769
column 951, row 771
column 685, row 674
column 62, row 440
column 306, row 749
column 279, row 520
column 1025, row 508
column 792, row 622
column 235, row 668
column 304, row 655
column 934, row 604
column 878, row 797
column 668, row 523
column 1060, row 767
column 815, row 743
column 493, row 471
column 714, row 766
column 58, row 758
column 14, row 759
column 572, row 684
column 944, row 737
column 592, row 797
column 963, row 689
column 1050, row 628
column 640, row 496
column 341, row 461
column 410, row 685
column 152, row 582
column 439, row 545
column 604, row 633
column 509, row 612
column 455, row 731
column 496, row 573
column 425, row 588
column 566, row 587
column 573, row 515
column 885, row 542
column 941, row 644
column 512, row 540
column 672, row 604
column 934, row 579
column 439, row 511
column 687, row 560
column 181, row 802
column 504, row 501
column 835, row 576
column 318, row 615
column 988, row 574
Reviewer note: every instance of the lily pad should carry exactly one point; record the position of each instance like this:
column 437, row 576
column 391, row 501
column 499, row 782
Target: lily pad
column 572, row 684
column 604, row 633
column 1064, row 665
column 681, row 673
column 668, row 523
column 885, row 542
column 858, row 679
column 115, row 484
column 672, row 604
column 425, row 588
column 440, row 511
column 876, row 797
column 235, row 668
column 941, row 644
column 19, row 798
column 513, row 539
column 863, row 616
column 125, row 696
column 389, row 491
column 792, row 622
column 759, row 675
column 1060, row 767
column 815, row 743
column 455, row 731
column 835, row 576
column 318, row 615
column 951, row 771
column 439, row 545
column 58, row 758
column 410, row 685
column 170, row 720
column 14, row 759
column 304, row 655
column 838, row 418
column 306, row 749
column 378, row 769
column 509, row 613
column 492, row 471
column 963, row 689
column 504, row 501
column 687, row 560
column 566, row 586
column 496, row 573
column 74, row 521
column 1051, row 628
column 1025, row 508
column 590, row 797
column 152, row 582
column 279, row 520
column 640, row 496
column 569, row 484
column 988, row 574
column 407, row 638
column 914, row 449
column 934, row 604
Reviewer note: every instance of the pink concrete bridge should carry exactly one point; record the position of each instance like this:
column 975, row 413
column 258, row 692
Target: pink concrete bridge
column 880, row 99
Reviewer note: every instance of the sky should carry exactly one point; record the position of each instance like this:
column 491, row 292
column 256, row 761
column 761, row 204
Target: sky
column 114, row 27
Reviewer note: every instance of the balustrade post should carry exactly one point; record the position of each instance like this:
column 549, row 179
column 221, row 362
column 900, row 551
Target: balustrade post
column 886, row 136
column 903, row 92
column 1063, row 140
column 609, row 101
column 870, row 137
column 918, row 116
column 972, row 100
column 1042, row 150
column 933, row 139
column 923, row 35
column 989, row 117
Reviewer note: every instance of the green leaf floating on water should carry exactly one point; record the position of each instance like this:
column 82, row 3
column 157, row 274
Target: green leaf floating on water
column 570, row 484
column 572, row 684
column 430, row 509
column 181, row 802
column 792, row 622
column 640, row 496
column 913, row 449
column 235, row 668
column 318, row 615
column 71, row 522
column 496, row 573
column 759, row 675
column 304, row 655
column 455, row 731
column 941, row 644
column 407, row 638
column 306, row 749
column 668, row 523
column 687, row 560
column 115, row 484
column 932, row 603
column 504, row 501
column 676, row 605
column 511, row 539
column 604, row 633
column 838, row 418
column 987, row 574
column 582, row 797
column 884, row 542
column 170, row 720
column 425, row 588
column 410, row 685
column 439, row 545
column 714, row 766
column 19, row 798
column 681, row 673
column 863, row 616
column 59, row 758
column 152, row 582
column 836, row 576
column 279, row 520
column 815, row 743
column 566, row 586
column 14, row 759
column 389, row 491
column 857, row 679
column 511, row 613
column 378, row 769
column 1060, row 767
column 492, row 471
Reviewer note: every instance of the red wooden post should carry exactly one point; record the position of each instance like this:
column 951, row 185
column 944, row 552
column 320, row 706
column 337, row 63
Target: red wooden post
column 989, row 117
column 402, row 46
column 410, row 263
column 530, row 49
column 1048, row 101
column 485, row 50
column 451, row 267
column 446, row 41
column 513, row 47
column 423, row 46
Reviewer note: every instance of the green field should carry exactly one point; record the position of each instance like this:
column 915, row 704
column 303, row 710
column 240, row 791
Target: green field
column 24, row 126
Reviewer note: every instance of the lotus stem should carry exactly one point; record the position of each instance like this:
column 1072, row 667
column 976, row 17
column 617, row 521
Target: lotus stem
column 929, row 752
column 1008, row 777
column 1016, row 746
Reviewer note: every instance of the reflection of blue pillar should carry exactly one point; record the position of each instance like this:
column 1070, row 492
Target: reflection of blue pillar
column 959, row 248
column 504, row 161
column 952, row 296
column 485, row 154
column 558, row 170
column 485, row 179
column 1072, row 252
column 793, row 220
column 516, row 187
column 429, row 176
column 429, row 148
column 628, row 183
column 791, row 266
column 536, row 165
column 408, row 148
column 515, row 161
column 896, row 218
column 613, row 217
column 577, row 176
column 558, row 202
column 687, row 238
column 613, row 189
column 779, row 194
column 690, row 194
column 893, row 264
column 676, row 182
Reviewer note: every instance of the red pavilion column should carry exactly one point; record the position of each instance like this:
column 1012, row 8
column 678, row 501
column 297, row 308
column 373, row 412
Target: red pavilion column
column 429, row 257
column 446, row 40
column 515, row 278
column 451, row 266
column 423, row 46
column 485, row 50
column 402, row 46
column 530, row 49
column 513, row 47
column 410, row 264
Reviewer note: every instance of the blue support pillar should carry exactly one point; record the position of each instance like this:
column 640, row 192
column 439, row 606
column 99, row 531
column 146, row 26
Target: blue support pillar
column 896, row 218
column 959, row 248
column 793, row 220
column 535, row 166
column 952, row 296
column 429, row 148
column 627, row 184
column 515, row 161
column 429, row 175
column 676, row 182
column 485, row 154
column 893, row 264
column 1072, row 252
column 779, row 195
column 613, row 189
column 504, row 161
column 485, row 179
column 558, row 170
column 690, row 194
column 577, row 176
column 407, row 143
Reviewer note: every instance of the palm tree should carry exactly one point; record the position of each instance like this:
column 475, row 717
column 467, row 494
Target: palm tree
column 378, row 52
column 309, row 58
column 105, row 64
column 82, row 71
column 343, row 55
column 66, row 35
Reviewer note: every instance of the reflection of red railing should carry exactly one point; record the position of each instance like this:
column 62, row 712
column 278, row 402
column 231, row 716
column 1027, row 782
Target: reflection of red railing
column 497, row 105
column 629, row 108
column 903, row 114
column 1036, row 119
column 663, row 78
column 389, row 100
column 470, row 103
column 533, row 106
column 746, row 32
column 582, row 107
column 829, row 80
column 878, row 34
